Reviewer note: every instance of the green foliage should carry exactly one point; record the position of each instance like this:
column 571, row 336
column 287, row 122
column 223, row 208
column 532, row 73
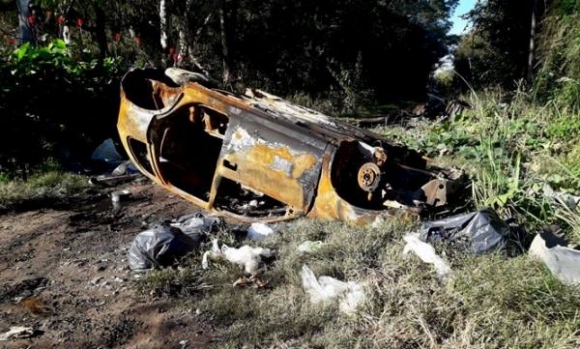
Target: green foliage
column 51, row 186
column 510, row 150
column 55, row 103
column 496, row 51
column 558, row 77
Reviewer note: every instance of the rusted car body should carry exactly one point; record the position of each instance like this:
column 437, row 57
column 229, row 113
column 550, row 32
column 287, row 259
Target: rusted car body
column 258, row 157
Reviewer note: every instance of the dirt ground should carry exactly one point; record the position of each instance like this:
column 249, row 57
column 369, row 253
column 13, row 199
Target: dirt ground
column 64, row 272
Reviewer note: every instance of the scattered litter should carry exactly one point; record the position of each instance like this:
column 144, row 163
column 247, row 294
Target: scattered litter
column 109, row 180
column 126, row 167
column 17, row 332
column 327, row 289
column 310, row 246
column 259, row 231
column 214, row 253
column 477, row 232
column 159, row 247
column 196, row 224
column 107, row 152
column 571, row 201
column 118, row 196
column 245, row 256
column 562, row 261
column 426, row 253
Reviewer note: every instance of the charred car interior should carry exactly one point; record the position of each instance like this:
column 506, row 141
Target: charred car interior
column 255, row 156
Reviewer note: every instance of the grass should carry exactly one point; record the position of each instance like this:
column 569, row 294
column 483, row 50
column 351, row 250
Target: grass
column 492, row 302
column 510, row 150
column 43, row 187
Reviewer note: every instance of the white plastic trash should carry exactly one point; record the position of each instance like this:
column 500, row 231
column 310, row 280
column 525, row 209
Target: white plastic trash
column 426, row 253
column 246, row 256
column 214, row 253
column 310, row 246
column 17, row 332
column 197, row 223
column 350, row 294
column 259, row 231
column 563, row 262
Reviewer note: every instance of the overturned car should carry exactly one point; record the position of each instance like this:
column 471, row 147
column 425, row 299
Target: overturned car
column 258, row 157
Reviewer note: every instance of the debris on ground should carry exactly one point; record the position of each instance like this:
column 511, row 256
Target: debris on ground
column 350, row 294
column 125, row 168
column 259, row 231
column 197, row 224
column 110, row 180
column 562, row 261
column 18, row 332
column 246, row 256
column 426, row 253
column 213, row 254
column 159, row 247
column 568, row 200
column 310, row 246
column 113, row 168
column 435, row 108
column 476, row 232
column 107, row 152
column 250, row 258
column 118, row 196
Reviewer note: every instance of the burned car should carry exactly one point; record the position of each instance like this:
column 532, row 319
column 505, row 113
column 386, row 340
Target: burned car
column 255, row 156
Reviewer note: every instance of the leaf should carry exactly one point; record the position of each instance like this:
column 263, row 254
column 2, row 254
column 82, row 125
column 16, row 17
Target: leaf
column 60, row 44
column 21, row 51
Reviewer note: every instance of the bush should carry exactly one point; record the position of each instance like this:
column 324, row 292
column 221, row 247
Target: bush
column 57, row 105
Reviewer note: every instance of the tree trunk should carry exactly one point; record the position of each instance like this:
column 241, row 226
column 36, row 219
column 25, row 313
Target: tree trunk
column 26, row 34
column 163, row 23
column 100, row 34
column 530, row 77
column 224, row 41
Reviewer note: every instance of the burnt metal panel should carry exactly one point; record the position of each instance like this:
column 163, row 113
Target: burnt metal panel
column 277, row 159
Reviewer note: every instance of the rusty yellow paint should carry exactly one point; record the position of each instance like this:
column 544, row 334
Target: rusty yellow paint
column 254, row 170
column 300, row 163
column 330, row 206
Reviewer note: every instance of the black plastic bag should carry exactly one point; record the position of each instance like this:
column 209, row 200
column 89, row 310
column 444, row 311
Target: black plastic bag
column 159, row 247
column 475, row 232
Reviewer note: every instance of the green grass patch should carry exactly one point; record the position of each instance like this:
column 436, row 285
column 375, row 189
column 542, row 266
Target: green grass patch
column 52, row 186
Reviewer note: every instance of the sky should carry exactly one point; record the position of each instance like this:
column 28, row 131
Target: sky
column 458, row 23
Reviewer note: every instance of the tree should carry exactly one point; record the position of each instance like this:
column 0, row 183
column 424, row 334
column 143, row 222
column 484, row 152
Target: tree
column 500, row 48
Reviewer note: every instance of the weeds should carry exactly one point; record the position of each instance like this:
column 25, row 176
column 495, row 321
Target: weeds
column 492, row 302
column 43, row 187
